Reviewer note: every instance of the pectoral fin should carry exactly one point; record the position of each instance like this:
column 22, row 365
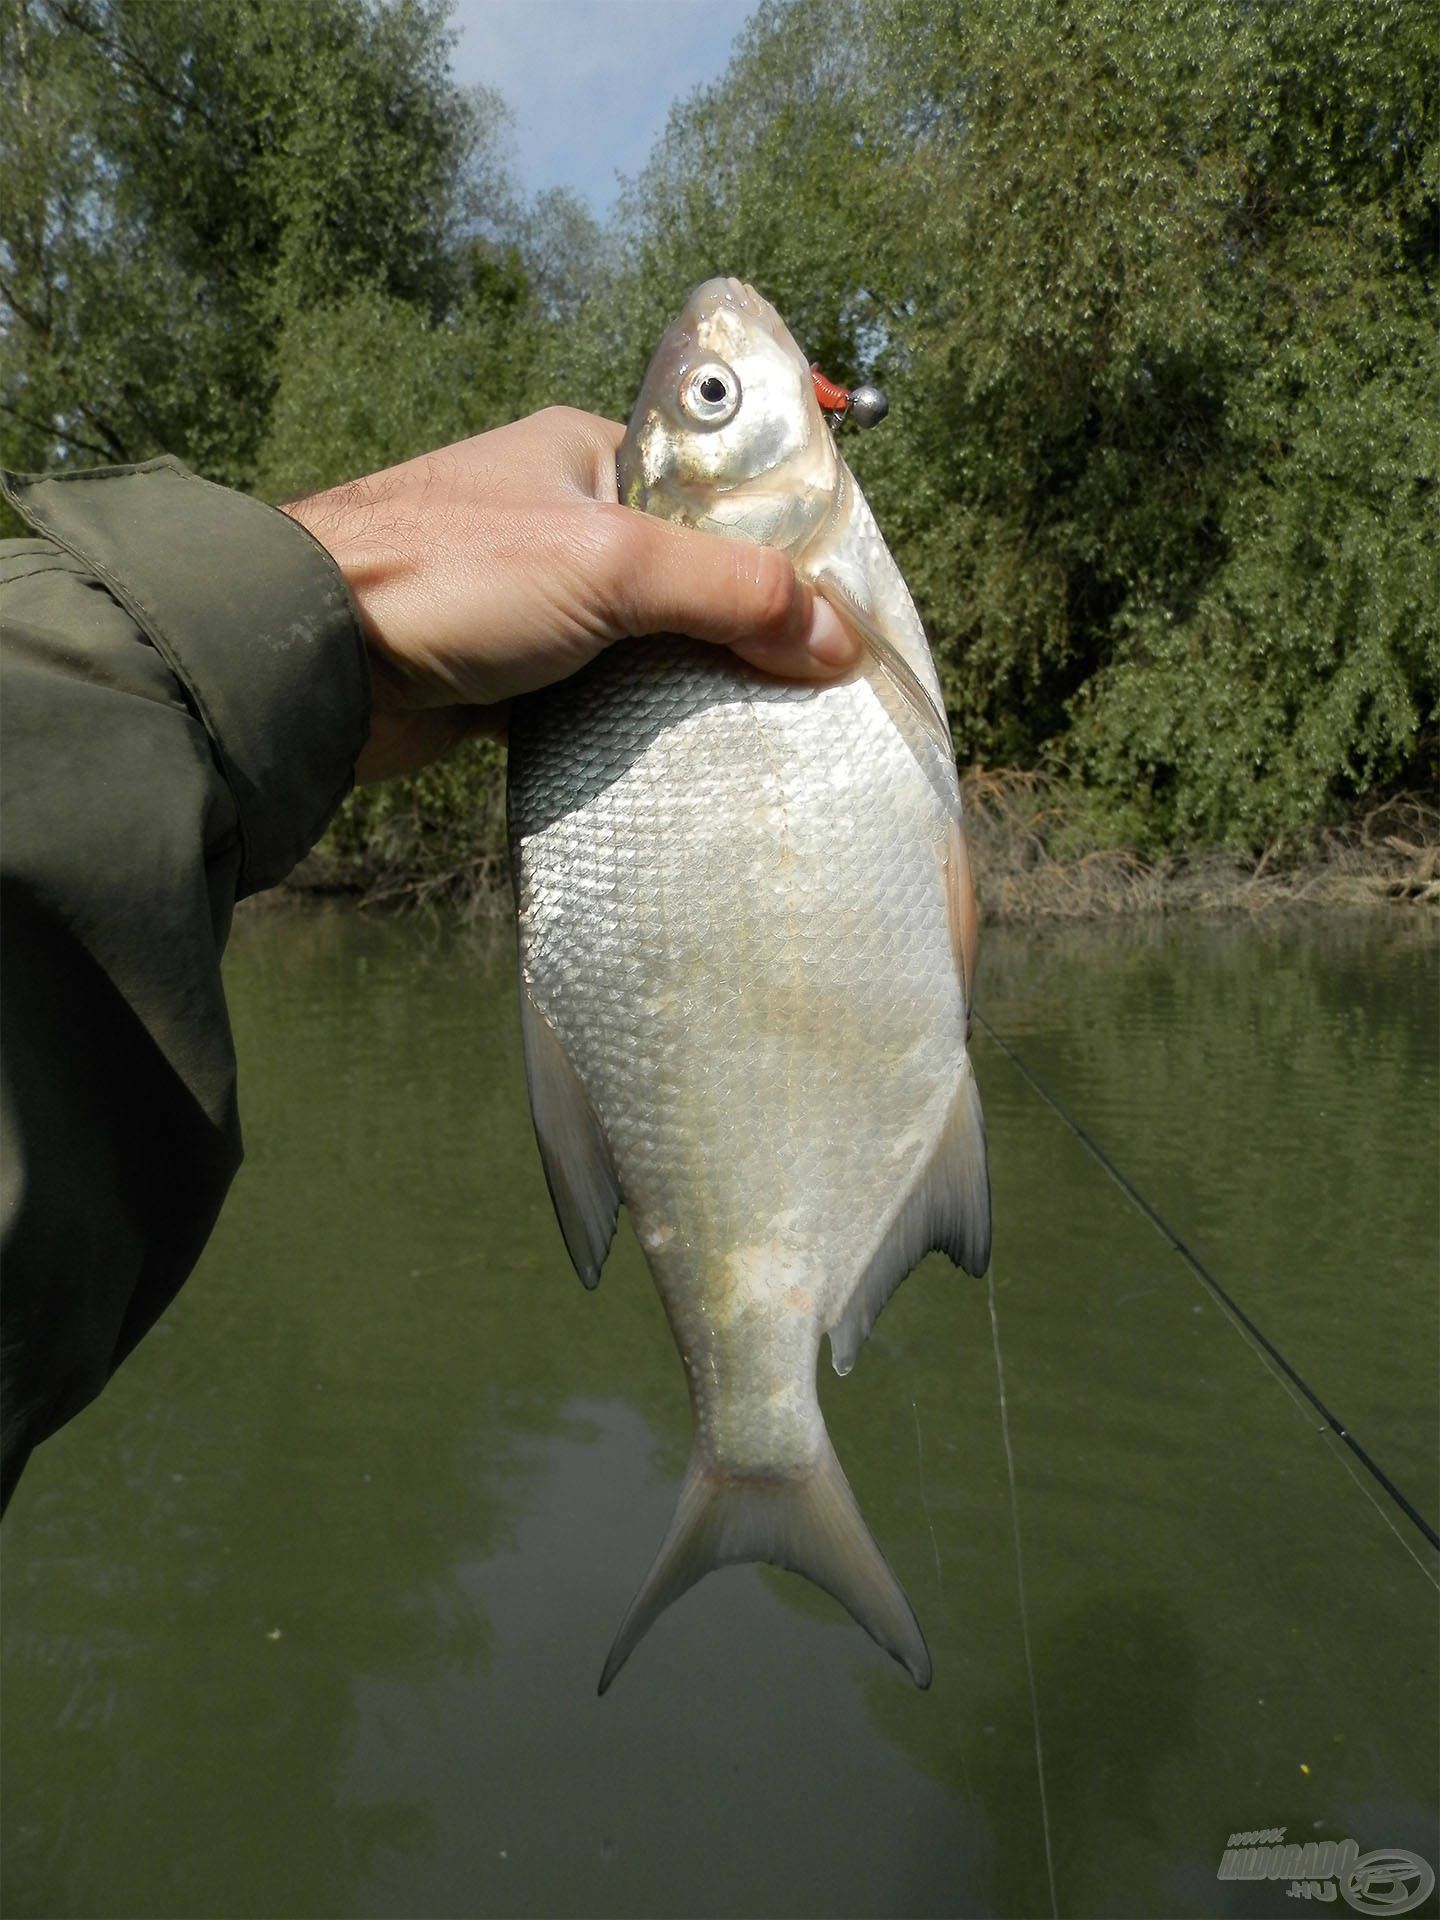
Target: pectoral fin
column 948, row 1209
column 829, row 581
column 573, row 1148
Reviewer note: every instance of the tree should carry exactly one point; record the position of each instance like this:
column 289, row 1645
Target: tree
column 1151, row 285
column 1151, row 289
column 188, row 179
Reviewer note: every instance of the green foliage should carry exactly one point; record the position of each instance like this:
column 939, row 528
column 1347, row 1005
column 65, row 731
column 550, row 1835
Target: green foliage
column 366, row 379
column 1152, row 292
column 440, row 833
column 187, row 180
column 369, row 380
column 1151, row 287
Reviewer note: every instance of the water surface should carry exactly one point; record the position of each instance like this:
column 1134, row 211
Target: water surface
column 305, row 1616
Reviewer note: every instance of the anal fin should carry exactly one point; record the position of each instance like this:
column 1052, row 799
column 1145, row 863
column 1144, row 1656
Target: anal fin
column 947, row 1209
column 573, row 1148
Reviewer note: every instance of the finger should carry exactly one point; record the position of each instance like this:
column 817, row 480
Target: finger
column 668, row 579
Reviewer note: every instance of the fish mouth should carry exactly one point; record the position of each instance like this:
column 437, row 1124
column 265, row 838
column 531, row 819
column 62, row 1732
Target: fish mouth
column 740, row 297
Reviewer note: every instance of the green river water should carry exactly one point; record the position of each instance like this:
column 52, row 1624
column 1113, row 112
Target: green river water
column 305, row 1616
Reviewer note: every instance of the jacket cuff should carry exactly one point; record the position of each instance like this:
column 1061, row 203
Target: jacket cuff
column 252, row 617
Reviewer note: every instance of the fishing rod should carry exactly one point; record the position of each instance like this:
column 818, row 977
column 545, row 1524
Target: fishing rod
column 1202, row 1272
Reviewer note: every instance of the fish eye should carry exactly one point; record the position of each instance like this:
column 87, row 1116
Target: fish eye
column 710, row 394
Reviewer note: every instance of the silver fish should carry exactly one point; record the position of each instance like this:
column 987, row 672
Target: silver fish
column 747, row 937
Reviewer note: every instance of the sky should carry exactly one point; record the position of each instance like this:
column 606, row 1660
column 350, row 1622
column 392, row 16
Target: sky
column 591, row 82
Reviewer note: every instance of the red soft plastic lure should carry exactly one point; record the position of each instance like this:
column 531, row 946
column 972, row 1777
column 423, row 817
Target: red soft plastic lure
column 833, row 398
column 866, row 406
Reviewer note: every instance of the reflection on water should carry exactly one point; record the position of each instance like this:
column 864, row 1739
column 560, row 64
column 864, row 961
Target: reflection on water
column 305, row 1616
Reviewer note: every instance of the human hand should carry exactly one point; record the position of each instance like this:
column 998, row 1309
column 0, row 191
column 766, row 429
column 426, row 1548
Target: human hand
column 505, row 562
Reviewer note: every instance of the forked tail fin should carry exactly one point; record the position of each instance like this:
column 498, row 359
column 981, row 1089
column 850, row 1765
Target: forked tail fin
column 809, row 1522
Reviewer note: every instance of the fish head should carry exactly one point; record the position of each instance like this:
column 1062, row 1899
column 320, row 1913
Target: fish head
column 727, row 433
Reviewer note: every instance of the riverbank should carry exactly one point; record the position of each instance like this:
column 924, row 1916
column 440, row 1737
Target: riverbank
column 1029, row 867
column 441, row 839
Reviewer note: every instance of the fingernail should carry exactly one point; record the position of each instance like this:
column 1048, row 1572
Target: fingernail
column 828, row 639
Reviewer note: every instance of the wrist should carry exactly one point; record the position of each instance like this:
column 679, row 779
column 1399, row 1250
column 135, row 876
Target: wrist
column 342, row 522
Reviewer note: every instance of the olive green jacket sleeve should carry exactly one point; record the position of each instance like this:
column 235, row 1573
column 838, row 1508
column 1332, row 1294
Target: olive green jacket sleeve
column 183, row 692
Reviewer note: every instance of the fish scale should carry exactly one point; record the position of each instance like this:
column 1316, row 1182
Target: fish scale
column 743, row 1001
column 768, row 968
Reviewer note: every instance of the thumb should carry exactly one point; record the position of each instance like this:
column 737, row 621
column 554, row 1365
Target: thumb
column 670, row 579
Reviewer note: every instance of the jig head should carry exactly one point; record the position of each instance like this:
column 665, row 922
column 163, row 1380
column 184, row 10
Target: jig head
column 866, row 406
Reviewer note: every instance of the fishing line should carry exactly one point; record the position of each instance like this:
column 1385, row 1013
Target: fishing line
column 924, row 1503
column 1202, row 1272
column 1020, row 1591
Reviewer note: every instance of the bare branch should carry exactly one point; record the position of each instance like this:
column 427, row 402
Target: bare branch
column 55, row 431
column 127, row 59
column 27, row 314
